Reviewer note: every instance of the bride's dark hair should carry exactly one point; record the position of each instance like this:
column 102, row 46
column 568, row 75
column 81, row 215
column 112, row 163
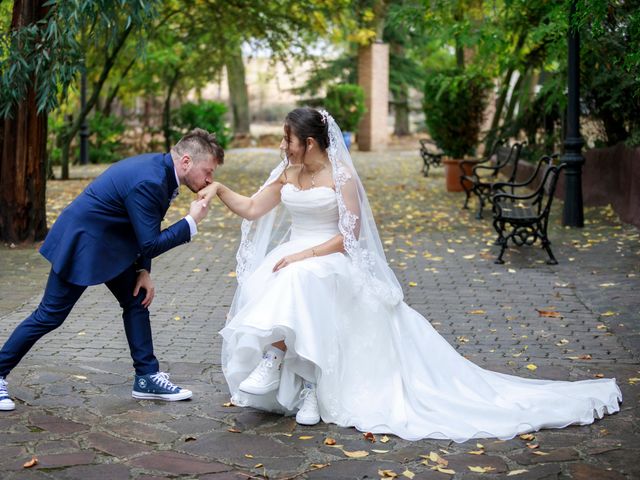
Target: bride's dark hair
column 306, row 123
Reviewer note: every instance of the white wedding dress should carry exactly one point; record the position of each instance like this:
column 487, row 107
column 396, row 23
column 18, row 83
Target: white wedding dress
column 380, row 369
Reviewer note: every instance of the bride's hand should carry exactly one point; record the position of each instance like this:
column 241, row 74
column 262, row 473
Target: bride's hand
column 289, row 259
column 208, row 192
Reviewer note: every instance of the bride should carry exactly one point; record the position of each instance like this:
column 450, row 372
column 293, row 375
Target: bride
column 318, row 326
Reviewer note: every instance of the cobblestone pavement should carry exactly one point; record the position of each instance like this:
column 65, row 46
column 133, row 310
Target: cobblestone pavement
column 75, row 413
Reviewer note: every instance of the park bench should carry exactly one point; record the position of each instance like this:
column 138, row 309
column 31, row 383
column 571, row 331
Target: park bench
column 483, row 175
column 431, row 155
column 523, row 217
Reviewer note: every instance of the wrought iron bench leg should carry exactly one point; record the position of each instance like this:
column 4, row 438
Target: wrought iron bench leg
column 499, row 228
column 503, row 247
column 481, row 206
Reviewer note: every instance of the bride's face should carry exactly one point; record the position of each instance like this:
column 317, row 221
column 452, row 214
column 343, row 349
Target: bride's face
column 293, row 147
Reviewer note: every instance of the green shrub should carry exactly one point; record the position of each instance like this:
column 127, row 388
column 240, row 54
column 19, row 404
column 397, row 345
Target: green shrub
column 345, row 103
column 207, row 115
column 105, row 138
column 454, row 104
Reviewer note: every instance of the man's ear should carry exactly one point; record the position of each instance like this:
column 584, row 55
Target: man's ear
column 185, row 161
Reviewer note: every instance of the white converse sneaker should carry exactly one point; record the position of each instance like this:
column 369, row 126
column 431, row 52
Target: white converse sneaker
column 266, row 376
column 5, row 401
column 309, row 413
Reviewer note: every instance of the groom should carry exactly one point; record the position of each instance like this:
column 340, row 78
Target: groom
column 109, row 234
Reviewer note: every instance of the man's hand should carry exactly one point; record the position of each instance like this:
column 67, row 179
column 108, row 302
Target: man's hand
column 199, row 209
column 289, row 259
column 144, row 281
column 208, row 192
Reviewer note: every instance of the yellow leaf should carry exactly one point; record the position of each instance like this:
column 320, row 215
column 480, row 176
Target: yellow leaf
column 479, row 445
column 356, row 454
column 196, row 270
column 527, row 436
column 227, row 404
column 384, row 439
column 477, row 312
column 176, row 318
column 380, row 451
column 408, row 473
column 258, row 465
column 448, row 471
column 481, row 469
column 306, row 437
column 233, row 430
column 476, row 452
column 532, row 367
column 413, row 284
column 434, row 457
column 319, row 465
column 517, row 472
column 387, row 473
column 232, row 274
column 608, row 314
column 248, row 455
column 538, row 452
column 329, row 441
column 633, row 380
column 468, row 257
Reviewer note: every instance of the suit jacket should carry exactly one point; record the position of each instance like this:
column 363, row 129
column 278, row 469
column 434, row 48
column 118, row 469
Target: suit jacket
column 115, row 222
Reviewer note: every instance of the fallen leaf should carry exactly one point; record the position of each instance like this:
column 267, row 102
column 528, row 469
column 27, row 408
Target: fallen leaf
column 408, row 473
column 356, row 454
column 527, row 436
column 477, row 312
column 31, row 463
column 599, row 375
column 384, row 439
column 538, row 452
column 232, row 274
column 476, row 452
column 319, row 465
column 306, row 437
column 448, row 471
column 329, row 441
column 248, row 455
column 434, row 457
column 369, row 436
column 517, row 472
column 481, row 469
column 233, row 430
column 533, row 446
column 387, row 473
column 413, row 284
column 608, row 314
column 227, row 404
column 532, row 367
column 258, row 465
column 633, row 380
column 380, row 451
column 549, row 313
column 609, row 284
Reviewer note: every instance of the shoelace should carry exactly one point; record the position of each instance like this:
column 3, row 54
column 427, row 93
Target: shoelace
column 309, row 397
column 265, row 365
column 3, row 388
column 162, row 379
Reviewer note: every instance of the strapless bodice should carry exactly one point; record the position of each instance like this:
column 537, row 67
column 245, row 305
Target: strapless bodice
column 314, row 212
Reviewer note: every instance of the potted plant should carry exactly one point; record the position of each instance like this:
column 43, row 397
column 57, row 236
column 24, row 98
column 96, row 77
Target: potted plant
column 346, row 103
column 454, row 104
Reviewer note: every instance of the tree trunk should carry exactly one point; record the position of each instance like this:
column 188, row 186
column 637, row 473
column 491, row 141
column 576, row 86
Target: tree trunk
column 166, row 113
column 23, row 150
column 238, row 95
column 401, row 109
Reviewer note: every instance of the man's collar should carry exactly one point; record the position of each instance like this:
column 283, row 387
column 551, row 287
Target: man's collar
column 177, row 179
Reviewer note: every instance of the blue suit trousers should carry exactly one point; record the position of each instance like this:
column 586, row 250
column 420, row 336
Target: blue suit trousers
column 59, row 298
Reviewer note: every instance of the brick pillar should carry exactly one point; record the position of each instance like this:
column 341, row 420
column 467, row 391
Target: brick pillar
column 373, row 77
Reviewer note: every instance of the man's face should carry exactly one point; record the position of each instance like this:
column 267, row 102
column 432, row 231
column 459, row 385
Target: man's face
column 198, row 174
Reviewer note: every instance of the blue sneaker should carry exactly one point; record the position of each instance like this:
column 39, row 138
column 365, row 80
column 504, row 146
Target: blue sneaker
column 5, row 401
column 156, row 386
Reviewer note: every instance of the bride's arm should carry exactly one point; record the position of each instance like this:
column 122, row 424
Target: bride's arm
column 333, row 245
column 250, row 208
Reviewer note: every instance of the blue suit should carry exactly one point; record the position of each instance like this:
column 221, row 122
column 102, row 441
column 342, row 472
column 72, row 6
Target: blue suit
column 111, row 230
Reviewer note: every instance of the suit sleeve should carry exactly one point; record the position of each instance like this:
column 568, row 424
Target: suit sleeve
column 146, row 207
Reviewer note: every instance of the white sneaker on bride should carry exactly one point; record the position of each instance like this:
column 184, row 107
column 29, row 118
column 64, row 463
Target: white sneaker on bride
column 309, row 413
column 266, row 376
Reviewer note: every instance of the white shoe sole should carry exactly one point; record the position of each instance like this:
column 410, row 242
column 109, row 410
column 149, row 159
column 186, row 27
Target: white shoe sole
column 7, row 407
column 172, row 397
column 259, row 389
column 307, row 421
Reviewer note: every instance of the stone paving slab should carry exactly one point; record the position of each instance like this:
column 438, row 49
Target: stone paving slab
column 74, row 410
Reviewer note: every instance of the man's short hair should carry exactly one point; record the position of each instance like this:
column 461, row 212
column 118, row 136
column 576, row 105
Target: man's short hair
column 199, row 143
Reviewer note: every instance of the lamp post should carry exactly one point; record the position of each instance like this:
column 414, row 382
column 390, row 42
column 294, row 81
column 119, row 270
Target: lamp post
column 84, row 128
column 573, row 215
